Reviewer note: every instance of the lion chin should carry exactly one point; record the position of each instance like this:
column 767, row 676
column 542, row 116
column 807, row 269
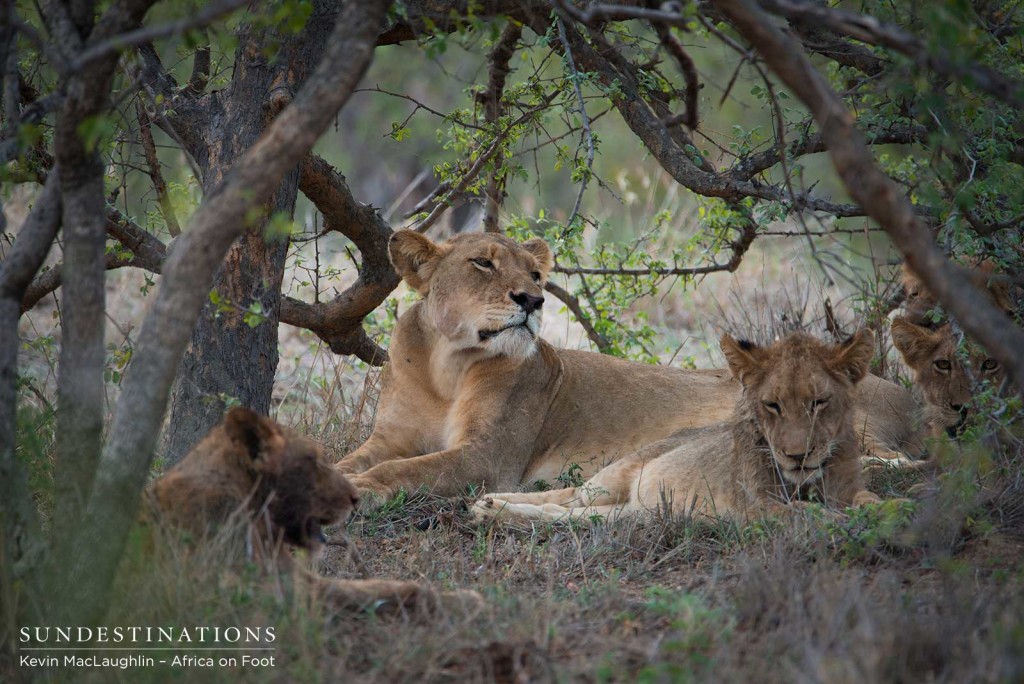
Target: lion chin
column 515, row 340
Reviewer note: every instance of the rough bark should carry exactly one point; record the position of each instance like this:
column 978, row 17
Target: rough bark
column 226, row 358
column 878, row 194
column 188, row 278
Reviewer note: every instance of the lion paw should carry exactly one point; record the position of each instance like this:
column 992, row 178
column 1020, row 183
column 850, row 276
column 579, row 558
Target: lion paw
column 486, row 509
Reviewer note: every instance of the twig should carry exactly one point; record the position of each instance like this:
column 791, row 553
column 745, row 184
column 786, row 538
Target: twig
column 498, row 70
column 150, row 33
column 153, row 162
column 573, row 305
column 588, row 135
column 478, row 166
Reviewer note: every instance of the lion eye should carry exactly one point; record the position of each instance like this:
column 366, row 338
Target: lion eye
column 942, row 365
column 536, row 276
column 820, row 403
column 483, row 264
column 773, row 407
column 989, row 365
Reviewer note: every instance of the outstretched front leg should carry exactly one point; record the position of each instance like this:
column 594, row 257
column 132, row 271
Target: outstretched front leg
column 562, row 497
column 489, row 509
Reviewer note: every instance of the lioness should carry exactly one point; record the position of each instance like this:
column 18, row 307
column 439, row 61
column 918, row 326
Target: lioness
column 471, row 395
column 941, row 374
column 791, row 438
column 280, row 484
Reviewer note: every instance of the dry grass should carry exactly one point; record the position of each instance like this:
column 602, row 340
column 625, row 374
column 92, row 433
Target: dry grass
column 659, row 600
column 879, row 596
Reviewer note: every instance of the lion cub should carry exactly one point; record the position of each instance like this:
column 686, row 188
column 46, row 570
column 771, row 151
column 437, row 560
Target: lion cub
column 791, row 438
column 277, row 484
column 941, row 374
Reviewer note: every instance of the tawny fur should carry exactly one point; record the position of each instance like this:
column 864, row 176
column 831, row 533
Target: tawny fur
column 460, row 409
column 941, row 374
column 920, row 306
column 257, row 478
column 791, row 438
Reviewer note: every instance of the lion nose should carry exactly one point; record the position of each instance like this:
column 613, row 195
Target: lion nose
column 527, row 301
column 800, row 458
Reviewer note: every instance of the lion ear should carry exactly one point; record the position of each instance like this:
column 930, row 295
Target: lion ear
column 415, row 257
column 542, row 253
column 746, row 359
column 915, row 343
column 259, row 438
column 853, row 357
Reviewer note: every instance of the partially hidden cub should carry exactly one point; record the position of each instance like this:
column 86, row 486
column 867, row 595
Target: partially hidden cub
column 255, row 479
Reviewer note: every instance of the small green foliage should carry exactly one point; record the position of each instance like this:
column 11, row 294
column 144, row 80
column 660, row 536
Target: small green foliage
column 572, row 476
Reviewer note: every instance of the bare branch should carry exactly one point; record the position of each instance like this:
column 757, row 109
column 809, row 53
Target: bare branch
column 155, row 174
column 875, row 32
column 200, row 71
column 497, row 73
column 118, row 43
column 573, row 304
column 339, row 321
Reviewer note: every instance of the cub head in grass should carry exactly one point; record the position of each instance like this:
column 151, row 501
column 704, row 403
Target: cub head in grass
column 251, row 464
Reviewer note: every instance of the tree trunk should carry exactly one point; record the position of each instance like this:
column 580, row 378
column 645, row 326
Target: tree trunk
column 227, row 360
column 187, row 276
column 19, row 525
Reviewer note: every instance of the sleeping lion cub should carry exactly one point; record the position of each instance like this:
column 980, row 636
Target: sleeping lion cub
column 276, row 483
column 791, row 438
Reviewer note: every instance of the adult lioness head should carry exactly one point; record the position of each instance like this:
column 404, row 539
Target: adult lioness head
column 484, row 292
column 800, row 393
column 282, row 480
column 941, row 373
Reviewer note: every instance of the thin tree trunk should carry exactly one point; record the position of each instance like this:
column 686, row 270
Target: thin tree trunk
column 18, row 523
column 188, row 275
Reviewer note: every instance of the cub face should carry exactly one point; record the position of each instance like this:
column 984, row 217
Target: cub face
column 290, row 491
column 799, row 391
column 942, row 373
column 482, row 292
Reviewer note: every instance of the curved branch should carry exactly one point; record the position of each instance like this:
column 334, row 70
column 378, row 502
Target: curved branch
column 339, row 322
column 692, row 173
column 574, row 306
column 879, row 194
column 875, row 32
